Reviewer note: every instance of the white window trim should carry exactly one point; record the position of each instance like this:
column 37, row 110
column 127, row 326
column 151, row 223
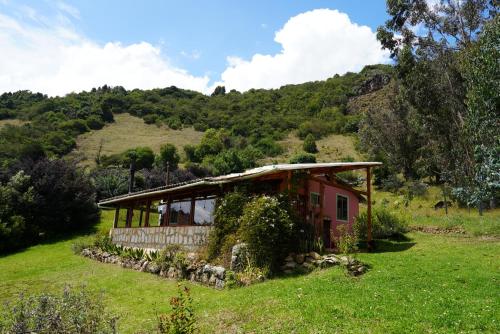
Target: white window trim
column 310, row 199
column 337, row 208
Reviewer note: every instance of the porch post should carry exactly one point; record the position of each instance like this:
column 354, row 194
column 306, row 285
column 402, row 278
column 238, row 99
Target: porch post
column 115, row 220
column 193, row 207
column 140, row 217
column 369, row 209
column 321, row 214
column 148, row 209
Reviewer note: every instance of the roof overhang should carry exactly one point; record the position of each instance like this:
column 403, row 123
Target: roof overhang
column 235, row 177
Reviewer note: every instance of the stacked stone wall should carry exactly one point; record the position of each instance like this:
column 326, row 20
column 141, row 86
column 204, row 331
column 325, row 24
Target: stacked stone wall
column 190, row 237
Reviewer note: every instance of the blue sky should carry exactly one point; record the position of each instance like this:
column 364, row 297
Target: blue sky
column 211, row 42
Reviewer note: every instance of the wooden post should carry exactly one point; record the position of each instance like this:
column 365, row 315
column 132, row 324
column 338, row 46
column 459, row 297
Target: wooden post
column 128, row 220
column 307, row 198
column 117, row 214
column 369, row 209
column 321, row 200
column 193, row 207
column 166, row 219
column 148, row 210
column 140, row 217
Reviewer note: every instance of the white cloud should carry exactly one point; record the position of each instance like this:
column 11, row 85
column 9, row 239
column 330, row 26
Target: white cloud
column 51, row 57
column 315, row 46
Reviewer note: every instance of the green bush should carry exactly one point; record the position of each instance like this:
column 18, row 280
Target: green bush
column 150, row 119
column 385, row 224
column 75, row 311
column 173, row 255
column 309, row 144
column 228, row 211
column 347, row 241
column 267, row 228
column 95, row 122
column 303, row 158
column 181, row 319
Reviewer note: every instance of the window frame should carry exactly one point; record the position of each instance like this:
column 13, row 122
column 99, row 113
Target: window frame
column 337, row 208
column 311, row 201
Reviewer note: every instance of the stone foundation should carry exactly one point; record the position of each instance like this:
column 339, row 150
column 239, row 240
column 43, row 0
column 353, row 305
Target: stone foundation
column 190, row 237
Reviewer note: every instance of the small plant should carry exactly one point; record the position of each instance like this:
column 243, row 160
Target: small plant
column 385, row 224
column 78, row 246
column 181, row 319
column 152, row 256
column 347, row 241
column 170, row 256
column 319, row 245
column 75, row 311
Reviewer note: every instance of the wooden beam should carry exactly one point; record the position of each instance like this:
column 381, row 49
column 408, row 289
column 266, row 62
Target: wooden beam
column 191, row 214
column 369, row 209
column 148, row 210
column 321, row 214
column 117, row 214
column 338, row 185
column 140, row 217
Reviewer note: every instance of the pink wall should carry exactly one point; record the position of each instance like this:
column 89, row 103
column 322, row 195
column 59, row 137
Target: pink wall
column 330, row 204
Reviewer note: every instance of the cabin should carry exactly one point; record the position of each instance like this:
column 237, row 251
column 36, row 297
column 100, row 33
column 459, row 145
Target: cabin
column 182, row 213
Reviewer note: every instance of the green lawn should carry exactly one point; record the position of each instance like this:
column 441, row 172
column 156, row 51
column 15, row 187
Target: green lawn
column 430, row 283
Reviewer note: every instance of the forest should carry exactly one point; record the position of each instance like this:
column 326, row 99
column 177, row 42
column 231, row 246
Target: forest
column 437, row 120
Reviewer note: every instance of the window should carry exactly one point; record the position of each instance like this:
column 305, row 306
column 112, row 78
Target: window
column 342, row 208
column 180, row 213
column 314, row 199
column 204, row 211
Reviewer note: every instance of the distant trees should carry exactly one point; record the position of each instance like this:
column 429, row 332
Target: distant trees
column 45, row 199
column 444, row 79
column 168, row 155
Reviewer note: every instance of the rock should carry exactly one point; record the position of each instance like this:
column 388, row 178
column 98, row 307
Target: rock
column 289, row 258
column 212, row 280
column 219, row 284
column 307, row 266
column 315, row 255
column 299, row 258
column 239, row 257
column 219, row 272
column 309, row 259
column 153, row 268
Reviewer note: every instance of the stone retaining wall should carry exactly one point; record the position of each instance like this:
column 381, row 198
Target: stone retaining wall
column 191, row 237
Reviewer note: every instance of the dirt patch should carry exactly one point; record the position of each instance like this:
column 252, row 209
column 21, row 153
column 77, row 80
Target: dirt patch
column 439, row 230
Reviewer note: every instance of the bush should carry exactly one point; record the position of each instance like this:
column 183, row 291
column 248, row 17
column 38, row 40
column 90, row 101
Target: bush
column 227, row 212
column 150, row 119
column 269, row 147
column 75, row 311
column 95, row 122
column 347, row 241
column 310, row 144
column 181, row 319
column 168, row 154
column 317, row 128
column 385, row 224
column 303, row 158
column 266, row 227
column 172, row 255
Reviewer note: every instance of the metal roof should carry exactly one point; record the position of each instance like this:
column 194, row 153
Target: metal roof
column 233, row 177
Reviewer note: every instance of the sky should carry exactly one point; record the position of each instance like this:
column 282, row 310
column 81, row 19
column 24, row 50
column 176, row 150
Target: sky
column 57, row 47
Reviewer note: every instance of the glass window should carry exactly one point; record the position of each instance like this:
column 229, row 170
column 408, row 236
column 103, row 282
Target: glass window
column 342, row 208
column 314, row 199
column 180, row 213
column 204, row 211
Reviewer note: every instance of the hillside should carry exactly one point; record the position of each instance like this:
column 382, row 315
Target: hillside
column 128, row 132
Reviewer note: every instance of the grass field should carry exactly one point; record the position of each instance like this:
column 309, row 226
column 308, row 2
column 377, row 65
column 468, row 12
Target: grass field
column 429, row 283
column 128, row 132
column 331, row 148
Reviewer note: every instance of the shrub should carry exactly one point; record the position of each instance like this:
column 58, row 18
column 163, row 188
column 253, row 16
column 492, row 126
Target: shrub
column 309, row 144
column 168, row 154
column 227, row 212
column 171, row 255
column 95, row 122
column 266, row 227
column 303, row 158
column 181, row 319
column 75, row 311
column 269, row 147
column 317, row 128
column 150, row 119
column 347, row 241
column 385, row 224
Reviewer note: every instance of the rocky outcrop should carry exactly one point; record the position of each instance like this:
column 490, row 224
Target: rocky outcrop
column 309, row 261
column 195, row 271
column 378, row 81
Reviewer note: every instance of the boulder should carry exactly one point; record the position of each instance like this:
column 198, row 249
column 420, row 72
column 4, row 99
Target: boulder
column 239, row 257
column 299, row 258
column 315, row 255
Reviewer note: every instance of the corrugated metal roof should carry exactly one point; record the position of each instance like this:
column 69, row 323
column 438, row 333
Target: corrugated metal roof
column 248, row 174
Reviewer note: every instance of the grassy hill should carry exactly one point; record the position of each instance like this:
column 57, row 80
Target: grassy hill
column 128, row 132
column 445, row 283
column 331, row 148
column 15, row 122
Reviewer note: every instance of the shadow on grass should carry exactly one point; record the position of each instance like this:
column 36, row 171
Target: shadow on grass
column 47, row 240
column 388, row 246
